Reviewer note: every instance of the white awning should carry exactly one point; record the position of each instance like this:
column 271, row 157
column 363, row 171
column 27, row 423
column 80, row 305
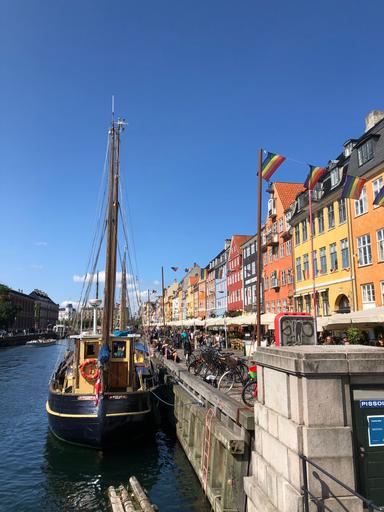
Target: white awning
column 366, row 317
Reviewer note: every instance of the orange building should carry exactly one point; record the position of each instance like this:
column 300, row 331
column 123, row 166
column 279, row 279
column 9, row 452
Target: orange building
column 367, row 161
column 276, row 246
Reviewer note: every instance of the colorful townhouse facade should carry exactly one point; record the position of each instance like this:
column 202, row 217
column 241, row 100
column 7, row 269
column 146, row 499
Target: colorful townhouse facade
column 221, row 280
column 276, row 246
column 211, row 290
column 330, row 260
column 249, row 249
column 235, row 293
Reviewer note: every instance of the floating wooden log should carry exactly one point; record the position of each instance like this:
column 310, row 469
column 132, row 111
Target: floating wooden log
column 140, row 495
column 115, row 500
column 126, row 500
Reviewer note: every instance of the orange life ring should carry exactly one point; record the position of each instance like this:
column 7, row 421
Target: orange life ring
column 91, row 375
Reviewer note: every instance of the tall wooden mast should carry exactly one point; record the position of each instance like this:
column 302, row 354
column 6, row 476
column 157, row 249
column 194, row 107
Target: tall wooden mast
column 110, row 274
column 123, row 299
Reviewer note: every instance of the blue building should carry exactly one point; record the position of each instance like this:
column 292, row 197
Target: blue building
column 219, row 267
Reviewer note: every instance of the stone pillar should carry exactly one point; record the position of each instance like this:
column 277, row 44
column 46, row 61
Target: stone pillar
column 304, row 407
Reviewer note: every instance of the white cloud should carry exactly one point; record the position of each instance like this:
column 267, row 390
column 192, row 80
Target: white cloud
column 41, row 244
column 92, row 277
column 75, row 303
column 34, row 266
column 156, row 282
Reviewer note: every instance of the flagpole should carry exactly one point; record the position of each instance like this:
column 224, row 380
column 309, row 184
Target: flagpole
column 163, row 295
column 313, row 262
column 259, row 261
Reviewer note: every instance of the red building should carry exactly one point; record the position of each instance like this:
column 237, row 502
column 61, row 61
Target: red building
column 277, row 248
column 235, row 273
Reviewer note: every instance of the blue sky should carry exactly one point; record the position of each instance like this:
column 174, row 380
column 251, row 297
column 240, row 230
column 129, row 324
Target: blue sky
column 202, row 85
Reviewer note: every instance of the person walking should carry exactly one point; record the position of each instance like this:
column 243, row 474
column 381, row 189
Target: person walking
column 187, row 345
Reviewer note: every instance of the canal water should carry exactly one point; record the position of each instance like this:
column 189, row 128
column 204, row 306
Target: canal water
column 40, row 473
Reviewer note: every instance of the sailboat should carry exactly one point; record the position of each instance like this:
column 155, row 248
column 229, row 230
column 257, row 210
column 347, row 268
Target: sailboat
column 102, row 390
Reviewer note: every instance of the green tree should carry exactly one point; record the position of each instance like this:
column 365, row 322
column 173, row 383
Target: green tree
column 8, row 310
column 354, row 335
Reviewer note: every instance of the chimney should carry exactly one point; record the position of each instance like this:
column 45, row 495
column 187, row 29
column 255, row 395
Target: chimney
column 373, row 118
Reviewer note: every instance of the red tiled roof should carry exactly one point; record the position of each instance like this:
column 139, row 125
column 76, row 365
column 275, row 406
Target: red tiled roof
column 287, row 192
column 241, row 239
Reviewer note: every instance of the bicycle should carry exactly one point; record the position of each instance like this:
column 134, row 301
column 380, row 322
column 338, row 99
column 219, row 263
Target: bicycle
column 249, row 393
column 237, row 373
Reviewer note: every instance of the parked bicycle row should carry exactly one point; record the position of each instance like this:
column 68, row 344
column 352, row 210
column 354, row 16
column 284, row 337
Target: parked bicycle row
column 224, row 370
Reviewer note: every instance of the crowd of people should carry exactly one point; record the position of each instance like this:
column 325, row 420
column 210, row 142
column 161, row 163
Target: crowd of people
column 168, row 341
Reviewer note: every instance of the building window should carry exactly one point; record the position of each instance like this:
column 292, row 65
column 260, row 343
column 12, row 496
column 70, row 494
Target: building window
column 281, row 225
column 253, row 267
column 281, row 250
column 275, row 251
column 382, row 292
column 284, row 304
column 342, row 211
column 313, row 226
column 298, row 269
column 290, row 276
column 304, row 230
column 364, row 250
column 344, row 253
column 368, row 293
column 331, row 216
column 323, row 260
column 333, row 255
column 365, row 152
column 299, row 304
column 272, row 306
column 335, row 177
column 377, row 185
column 305, row 266
column 283, row 277
column 307, row 303
column 288, row 216
column 325, row 301
column 361, row 204
column 314, row 262
column 288, row 248
column 253, row 246
column 278, row 306
column 297, row 234
column 380, row 244
column 320, row 221
column 266, row 283
column 270, row 255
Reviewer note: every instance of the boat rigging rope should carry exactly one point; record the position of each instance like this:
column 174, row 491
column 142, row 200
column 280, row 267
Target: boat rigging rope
column 99, row 232
column 173, row 405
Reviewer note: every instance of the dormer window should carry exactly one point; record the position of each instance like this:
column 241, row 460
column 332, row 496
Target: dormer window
column 335, row 177
column 365, row 152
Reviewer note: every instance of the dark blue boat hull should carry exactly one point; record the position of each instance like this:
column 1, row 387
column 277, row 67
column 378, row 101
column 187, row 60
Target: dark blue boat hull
column 118, row 418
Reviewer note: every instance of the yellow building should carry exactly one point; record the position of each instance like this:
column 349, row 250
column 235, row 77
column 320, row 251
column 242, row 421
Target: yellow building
column 190, row 300
column 169, row 293
column 331, row 247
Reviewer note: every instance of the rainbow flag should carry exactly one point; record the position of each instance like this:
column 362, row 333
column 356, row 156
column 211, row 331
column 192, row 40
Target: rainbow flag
column 270, row 163
column 315, row 173
column 352, row 187
column 379, row 199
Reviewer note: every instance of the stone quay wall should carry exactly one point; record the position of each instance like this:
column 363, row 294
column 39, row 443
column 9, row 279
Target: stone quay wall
column 304, row 407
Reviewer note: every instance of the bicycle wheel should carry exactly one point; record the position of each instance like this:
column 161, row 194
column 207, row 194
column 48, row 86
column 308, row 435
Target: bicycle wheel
column 249, row 393
column 226, row 381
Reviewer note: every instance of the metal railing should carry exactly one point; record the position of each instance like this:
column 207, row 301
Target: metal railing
column 326, row 492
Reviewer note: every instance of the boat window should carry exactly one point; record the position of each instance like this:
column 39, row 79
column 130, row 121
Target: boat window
column 118, row 349
column 90, row 350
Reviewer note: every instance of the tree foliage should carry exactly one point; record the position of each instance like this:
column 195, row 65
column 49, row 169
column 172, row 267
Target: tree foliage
column 354, row 335
column 8, row 310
